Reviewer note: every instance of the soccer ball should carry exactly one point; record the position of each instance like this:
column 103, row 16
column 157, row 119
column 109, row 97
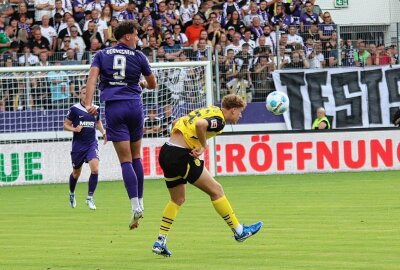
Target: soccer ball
column 277, row 102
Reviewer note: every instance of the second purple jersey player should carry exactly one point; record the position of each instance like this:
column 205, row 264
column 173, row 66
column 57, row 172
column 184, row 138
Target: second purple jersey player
column 84, row 147
column 120, row 69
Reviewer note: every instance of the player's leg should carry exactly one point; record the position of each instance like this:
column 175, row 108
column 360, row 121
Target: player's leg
column 135, row 123
column 92, row 184
column 138, row 168
column 174, row 162
column 118, row 117
column 73, row 179
column 177, row 195
column 223, row 207
column 77, row 159
column 130, row 180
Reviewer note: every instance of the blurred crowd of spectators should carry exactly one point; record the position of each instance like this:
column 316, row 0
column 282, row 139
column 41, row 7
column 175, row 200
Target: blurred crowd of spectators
column 248, row 39
column 69, row 30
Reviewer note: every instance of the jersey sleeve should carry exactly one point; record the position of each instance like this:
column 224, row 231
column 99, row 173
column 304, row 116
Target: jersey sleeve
column 96, row 60
column 70, row 115
column 215, row 124
column 146, row 71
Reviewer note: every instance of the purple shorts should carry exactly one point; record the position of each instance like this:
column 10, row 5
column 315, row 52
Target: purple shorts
column 124, row 119
column 79, row 157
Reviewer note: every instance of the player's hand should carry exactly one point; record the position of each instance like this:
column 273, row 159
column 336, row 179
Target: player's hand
column 92, row 109
column 105, row 140
column 143, row 84
column 78, row 129
column 197, row 152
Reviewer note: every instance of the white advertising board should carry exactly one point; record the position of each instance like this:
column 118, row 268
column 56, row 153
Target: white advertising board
column 275, row 153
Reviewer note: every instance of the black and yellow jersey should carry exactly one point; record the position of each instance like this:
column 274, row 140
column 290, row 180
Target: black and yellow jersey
column 187, row 124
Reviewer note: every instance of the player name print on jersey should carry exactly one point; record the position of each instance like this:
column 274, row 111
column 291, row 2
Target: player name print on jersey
column 120, row 51
column 86, row 124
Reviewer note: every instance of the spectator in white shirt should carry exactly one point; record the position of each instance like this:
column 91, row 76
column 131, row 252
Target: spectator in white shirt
column 179, row 37
column 293, row 37
column 49, row 32
column 28, row 59
column 102, row 27
column 67, row 5
column 235, row 45
column 95, row 5
column 68, row 23
column 77, row 43
column 43, row 7
column 187, row 10
column 118, row 6
column 247, row 39
column 59, row 8
column 66, row 30
column 248, row 19
column 316, row 58
column 284, row 58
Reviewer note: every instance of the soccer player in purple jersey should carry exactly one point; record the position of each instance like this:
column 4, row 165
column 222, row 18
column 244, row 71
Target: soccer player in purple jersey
column 120, row 68
column 84, row 147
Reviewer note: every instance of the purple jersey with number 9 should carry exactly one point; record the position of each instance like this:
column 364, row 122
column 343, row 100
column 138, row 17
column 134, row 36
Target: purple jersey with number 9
column 120, row 70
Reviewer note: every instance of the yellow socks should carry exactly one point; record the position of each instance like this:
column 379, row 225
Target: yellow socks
column 169, row 215
column 224, row 209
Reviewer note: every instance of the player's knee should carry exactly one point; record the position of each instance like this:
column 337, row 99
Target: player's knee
column 76, row 174
column 179, row 201
column 94, row 171
column 218, row 191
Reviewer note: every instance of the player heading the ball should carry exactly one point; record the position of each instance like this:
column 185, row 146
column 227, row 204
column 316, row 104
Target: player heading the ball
column 120, row 69
column 179, row 159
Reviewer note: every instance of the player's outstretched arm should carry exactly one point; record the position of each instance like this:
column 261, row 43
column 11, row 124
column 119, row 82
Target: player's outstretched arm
column 90, row 89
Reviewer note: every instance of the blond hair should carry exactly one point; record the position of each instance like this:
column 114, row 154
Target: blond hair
column 232, row 101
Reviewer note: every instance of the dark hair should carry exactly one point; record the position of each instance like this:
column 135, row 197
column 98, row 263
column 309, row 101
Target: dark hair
column 14, row 44
column 123, row 28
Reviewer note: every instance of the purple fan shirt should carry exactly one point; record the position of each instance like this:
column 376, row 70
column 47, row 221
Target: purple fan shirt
column 85, row 139
column 286, row 21
column 308, row 19
column 120, row 70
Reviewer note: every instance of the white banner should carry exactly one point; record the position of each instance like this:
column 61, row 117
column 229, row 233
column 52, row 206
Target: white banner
column 355, row 97
column 31, row 163
column 235, row 155
column 308, row 152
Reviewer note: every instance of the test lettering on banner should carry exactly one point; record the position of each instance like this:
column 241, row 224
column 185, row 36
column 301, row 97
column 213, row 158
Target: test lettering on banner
column 354, row 97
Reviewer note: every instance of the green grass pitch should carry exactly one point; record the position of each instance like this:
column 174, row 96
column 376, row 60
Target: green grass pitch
column 311, row 221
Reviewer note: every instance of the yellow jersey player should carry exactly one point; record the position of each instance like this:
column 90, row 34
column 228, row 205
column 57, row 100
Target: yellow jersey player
column 179, row 159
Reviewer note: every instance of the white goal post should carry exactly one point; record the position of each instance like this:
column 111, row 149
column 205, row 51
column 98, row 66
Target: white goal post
column 35, row 149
